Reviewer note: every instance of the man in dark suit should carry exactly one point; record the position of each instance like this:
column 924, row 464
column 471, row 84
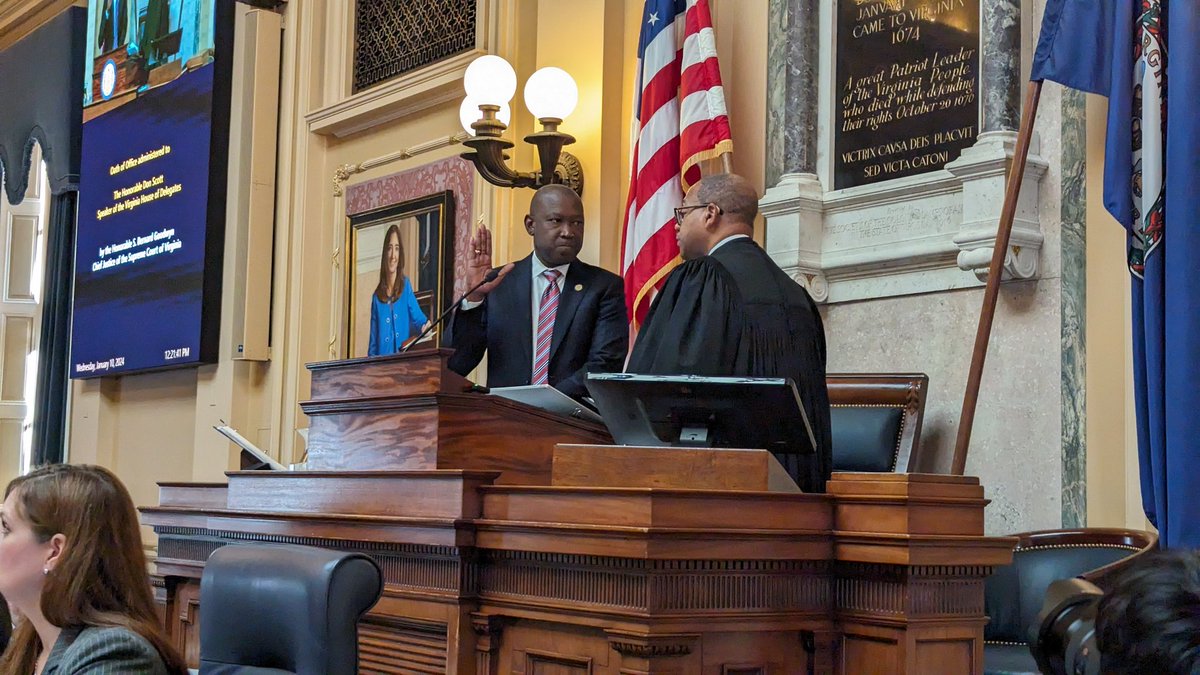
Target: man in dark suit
column 112, row 29
column 548, row 318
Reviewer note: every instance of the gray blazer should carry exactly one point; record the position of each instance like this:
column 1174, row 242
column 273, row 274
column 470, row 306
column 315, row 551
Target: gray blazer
column 103, row 650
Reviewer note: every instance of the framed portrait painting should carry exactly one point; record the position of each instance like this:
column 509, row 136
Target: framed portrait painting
column 400, row 274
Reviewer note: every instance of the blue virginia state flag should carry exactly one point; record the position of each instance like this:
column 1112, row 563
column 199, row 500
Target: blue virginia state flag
column 1144, row 55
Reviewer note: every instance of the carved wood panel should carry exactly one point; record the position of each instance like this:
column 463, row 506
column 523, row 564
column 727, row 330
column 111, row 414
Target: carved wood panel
column 924, row 591
column 388, row 645
column 184, row 618
column 440, row 568
column 744, row 670
column 529, row 648
column 392, row 438
column 547, row 663
column 866, row 654
column 663, row 585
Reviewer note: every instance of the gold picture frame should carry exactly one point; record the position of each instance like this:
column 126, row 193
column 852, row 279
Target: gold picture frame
column 426, row 226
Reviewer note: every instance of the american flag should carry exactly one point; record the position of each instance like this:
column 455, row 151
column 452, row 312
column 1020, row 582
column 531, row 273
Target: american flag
column 679, row 121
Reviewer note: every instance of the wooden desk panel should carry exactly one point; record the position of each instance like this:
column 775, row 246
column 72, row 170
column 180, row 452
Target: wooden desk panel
column 488, row 569
column 613, row 580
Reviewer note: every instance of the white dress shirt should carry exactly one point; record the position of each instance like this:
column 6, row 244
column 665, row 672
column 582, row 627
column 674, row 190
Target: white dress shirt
column 726, row 240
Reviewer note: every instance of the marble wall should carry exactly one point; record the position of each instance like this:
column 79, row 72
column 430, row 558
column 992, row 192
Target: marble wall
column 1028, row 442
column 1015, row 441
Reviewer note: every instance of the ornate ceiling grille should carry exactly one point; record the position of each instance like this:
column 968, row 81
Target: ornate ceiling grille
column 392, row 37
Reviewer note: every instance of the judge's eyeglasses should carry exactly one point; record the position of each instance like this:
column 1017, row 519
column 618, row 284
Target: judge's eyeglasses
column 681, row 211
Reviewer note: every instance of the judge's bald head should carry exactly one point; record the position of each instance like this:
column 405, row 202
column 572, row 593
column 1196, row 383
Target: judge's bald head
column 735, row 195
column 717, row 207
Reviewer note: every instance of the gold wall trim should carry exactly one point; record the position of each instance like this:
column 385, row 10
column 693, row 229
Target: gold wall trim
column 345, row 171
column 19, row 18
column 431, row 86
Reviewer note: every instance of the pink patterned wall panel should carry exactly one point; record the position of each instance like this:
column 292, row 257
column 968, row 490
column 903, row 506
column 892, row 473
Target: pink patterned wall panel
column 451, row 173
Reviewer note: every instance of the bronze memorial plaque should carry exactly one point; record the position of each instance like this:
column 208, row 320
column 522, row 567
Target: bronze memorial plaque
column 907, row 85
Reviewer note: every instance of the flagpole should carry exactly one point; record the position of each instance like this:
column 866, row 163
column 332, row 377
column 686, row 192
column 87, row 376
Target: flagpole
column 727, row 162
column 995, row 271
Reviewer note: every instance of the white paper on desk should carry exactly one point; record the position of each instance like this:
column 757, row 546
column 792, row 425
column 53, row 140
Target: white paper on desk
column 548, row 398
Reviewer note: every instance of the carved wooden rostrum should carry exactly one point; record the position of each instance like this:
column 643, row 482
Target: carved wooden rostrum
column 884, row 574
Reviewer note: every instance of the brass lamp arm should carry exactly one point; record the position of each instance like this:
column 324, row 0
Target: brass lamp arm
column 488, row 154
column 489, row 159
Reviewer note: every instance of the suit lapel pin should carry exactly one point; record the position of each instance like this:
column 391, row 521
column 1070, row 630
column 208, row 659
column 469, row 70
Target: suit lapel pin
column 578, row 287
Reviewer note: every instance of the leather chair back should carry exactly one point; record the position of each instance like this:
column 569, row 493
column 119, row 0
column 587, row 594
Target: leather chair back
column 875, row 420
column 276, row 609
column 1014, row 594
column 5, row 625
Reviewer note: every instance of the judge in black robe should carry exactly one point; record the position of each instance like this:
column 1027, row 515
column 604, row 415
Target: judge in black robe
column 729, row 310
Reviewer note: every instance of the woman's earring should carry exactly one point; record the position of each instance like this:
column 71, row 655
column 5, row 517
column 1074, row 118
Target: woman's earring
column 46, row 571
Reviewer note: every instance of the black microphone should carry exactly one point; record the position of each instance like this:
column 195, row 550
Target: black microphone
column 487, row 278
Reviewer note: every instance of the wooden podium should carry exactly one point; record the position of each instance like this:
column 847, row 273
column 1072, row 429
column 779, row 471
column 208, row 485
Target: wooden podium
column 490, row 568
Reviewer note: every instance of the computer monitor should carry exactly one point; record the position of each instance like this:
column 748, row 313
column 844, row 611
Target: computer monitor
column 695, row 411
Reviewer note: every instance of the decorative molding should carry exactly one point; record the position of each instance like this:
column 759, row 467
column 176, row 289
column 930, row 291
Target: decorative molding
column 655, row 585
column 436, row 84
column 540, row 661
column 487, row 625
column 431, row 86
column 651, row 646
column 910, row 235
column 794, row 210
column 19, row 18
column 570, row 170
column 405, row 566
column 187, row 613
column 343, row 173
column 880, row 240
column 488, row 628
column 918, row 591
column 983, row 170
column 388, row 644
column 814, row 282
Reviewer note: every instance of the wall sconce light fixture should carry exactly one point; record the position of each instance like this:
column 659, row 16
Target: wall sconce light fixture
column 550, row 94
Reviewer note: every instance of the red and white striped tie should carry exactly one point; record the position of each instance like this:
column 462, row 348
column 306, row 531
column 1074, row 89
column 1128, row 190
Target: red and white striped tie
column 547, row 309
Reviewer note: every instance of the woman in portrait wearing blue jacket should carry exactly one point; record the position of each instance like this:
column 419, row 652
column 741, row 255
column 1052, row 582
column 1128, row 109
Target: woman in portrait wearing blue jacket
column 395, row 314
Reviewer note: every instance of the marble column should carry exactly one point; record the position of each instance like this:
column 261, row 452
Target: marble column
column 983, row 168
column 793, row 44
column 1073, row 209
column 1000, row 64
column 794, row 198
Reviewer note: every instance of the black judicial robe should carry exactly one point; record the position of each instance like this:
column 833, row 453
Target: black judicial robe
column 736, row 313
